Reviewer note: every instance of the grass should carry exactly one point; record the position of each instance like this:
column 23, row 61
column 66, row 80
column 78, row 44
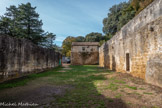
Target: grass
column 88, row 84
column 85, row 94
column 118, row 95
column 113, row 87
column 24, row 80
column 111, row 100
column 131, row 87
column 142, row 88
column 155, row 107
column 113, row 79
column 147, row 93
column 81, row 78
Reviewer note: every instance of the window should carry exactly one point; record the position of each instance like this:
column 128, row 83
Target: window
column 83, row 48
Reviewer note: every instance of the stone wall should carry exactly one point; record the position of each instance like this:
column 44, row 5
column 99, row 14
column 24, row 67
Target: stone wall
column 137, row 48
column 19, row 57
column 85, row 53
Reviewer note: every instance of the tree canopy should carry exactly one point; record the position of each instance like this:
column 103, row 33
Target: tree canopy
column 118, row 16
column 66, row 45
column 121, row 14
column 23, row 22
column 91, row 37
column 139, row 5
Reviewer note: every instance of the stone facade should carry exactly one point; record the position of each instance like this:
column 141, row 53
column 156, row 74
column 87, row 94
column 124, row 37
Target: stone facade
column 137, row 48
column 19, row 57
column 85, row 53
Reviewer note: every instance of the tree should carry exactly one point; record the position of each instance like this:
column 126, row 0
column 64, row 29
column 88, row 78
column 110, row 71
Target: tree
column 119, row 15
column 31, row 26
column 22, row 22
column 4, row 25
column 11, row 15
column 80, row 39
column 49, row 43
column 57, row 48
column 93, row 37
column 139, row 5
column 66, row 45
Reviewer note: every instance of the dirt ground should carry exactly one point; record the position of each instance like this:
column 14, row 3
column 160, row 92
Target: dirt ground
column 116, row 89
column 133, row 91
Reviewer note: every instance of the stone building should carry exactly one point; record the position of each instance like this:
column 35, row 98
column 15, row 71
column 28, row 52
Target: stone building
column 85, row 53
column 137, row 48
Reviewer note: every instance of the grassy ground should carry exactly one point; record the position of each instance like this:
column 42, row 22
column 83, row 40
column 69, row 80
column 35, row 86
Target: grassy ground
column 82, row 87
column 24, row 80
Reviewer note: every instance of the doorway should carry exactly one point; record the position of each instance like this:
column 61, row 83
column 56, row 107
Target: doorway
column 127, row 62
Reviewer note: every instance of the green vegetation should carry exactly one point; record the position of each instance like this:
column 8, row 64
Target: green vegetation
column 82, row 86
column 111, row 100
column 131, row 87
column 23, row 22
column 91, row 37
column 117, row 81
column 66, row 45
column 118, row 16
column 24, row 80
column 84, row 94
column 113, row 87
column 139, row 5
column 118, row 95
column 121, row 14
column 142, row 88
column 147, row 93
column 155, row 107
column 80, row 78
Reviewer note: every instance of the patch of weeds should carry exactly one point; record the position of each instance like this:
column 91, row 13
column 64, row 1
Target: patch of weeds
column 122, row 90
column 101, row 103
column 100, row 91
column 112, row 78
column 24, row 80
column 120, row 81
column 110, row 100
column 155, row 107
column 136, row 93
column 128, row 93
column 142, row 88
column 98, row 83
column 129, row 103
column 147, row 93
column 118, row 95
column 113, row 87
column 90, row 70
column 131, row 87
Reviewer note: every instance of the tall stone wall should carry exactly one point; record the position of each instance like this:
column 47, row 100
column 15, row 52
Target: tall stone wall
column 137, row 48
column 19, row 57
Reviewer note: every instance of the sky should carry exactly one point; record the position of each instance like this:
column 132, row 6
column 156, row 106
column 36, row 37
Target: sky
column 68, row 17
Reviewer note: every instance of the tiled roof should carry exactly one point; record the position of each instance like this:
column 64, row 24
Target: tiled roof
column 85, row 44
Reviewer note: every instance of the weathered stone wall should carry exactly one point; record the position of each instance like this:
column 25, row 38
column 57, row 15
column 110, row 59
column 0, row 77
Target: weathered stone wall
column 137, row 48
column 101, row 56
column 19, row 57
column 85, row 53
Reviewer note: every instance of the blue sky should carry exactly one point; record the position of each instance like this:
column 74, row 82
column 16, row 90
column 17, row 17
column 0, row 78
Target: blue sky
column 68, row 17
